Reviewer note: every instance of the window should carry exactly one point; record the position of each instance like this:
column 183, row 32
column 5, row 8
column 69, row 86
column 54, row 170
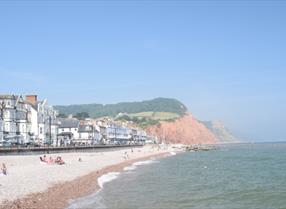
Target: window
column 41, row 130
column 63, row 130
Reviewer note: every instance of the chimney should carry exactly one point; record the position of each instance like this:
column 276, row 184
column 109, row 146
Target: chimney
column 32, row 99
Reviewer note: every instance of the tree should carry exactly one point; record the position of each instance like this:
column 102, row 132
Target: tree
column 62, row 115
column 82, row 115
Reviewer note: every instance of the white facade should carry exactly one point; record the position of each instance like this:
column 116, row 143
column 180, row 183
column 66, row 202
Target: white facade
column 1, row 132
column 47, row 123
column 15, row 114
column 27, row 121
column 68, row 131
column 34, row 124
column 73, row 130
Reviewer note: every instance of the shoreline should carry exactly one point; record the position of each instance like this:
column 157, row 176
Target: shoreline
column 59, row 196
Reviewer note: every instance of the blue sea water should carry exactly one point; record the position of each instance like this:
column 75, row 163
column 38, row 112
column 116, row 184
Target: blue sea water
column 245, row 176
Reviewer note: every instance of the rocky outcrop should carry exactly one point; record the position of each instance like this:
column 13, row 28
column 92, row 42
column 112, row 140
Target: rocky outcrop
column 185, row 130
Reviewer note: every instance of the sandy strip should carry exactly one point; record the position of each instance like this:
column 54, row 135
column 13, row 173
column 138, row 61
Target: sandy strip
column 57, row 195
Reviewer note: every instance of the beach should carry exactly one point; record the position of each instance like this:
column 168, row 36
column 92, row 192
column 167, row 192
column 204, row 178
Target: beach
column 31, row 184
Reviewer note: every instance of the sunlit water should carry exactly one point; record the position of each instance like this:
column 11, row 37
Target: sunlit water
column 251, row 176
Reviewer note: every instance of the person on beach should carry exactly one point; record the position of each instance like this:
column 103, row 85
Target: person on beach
column 45, row 159
column 50, row 161
column 59, row 160
column 126, row 156
column 4, row 169
column 41, row 159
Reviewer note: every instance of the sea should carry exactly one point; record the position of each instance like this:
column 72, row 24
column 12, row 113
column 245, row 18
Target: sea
column 241, row 176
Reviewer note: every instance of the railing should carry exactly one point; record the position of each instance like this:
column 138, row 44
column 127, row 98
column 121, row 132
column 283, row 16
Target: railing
column 47, row 149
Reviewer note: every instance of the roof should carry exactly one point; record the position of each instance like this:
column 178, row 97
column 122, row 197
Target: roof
column 7, row 96
column 85, row 128
column 68, row 123
column 66, row 134
column 11, row 96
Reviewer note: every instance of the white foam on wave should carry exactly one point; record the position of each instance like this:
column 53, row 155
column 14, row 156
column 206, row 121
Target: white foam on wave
column 146, row 162
column 139, row 163
column 130, row 168
column 107, row 178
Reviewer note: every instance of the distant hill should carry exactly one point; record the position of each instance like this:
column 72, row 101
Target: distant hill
column 166, row 118
column 222, row 133
column 99, row 110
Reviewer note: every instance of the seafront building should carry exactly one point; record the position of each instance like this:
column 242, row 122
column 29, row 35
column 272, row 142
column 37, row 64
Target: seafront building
column 16, row 119
column 1, row 131
column 44, row 121
column 139, row 136
column 88, row 135
column 117, row 134
column 71, row 131
column 67, row 131
column 29, row 121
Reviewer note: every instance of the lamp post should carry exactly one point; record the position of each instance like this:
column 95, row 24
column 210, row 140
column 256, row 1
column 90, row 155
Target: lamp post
column 2, row 109
column 50, row 126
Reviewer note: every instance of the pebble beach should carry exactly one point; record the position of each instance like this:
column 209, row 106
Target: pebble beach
column 34, row 184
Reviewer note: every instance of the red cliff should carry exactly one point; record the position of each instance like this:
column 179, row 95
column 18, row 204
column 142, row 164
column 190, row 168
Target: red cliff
column 186, row 130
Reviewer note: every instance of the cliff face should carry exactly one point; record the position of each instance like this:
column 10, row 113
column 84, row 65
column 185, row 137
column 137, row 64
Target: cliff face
column 186, row 130
column 222, row 134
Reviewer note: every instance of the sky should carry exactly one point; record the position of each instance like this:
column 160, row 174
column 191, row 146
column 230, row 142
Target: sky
column 224, row 59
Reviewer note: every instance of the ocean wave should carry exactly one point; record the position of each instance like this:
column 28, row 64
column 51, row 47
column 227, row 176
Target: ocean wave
column 107, row 178
column 130, row 168
column 146, row 162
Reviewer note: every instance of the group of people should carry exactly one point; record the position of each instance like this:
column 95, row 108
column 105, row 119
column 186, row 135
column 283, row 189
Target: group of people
column 3, row 170
column 49, row 160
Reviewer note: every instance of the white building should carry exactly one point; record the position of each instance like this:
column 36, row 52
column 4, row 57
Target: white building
column 44, row 125
column 88, row 135
column 139, row 136
column 16, row 119
column 117, row 134
column 1, row 131
column 68, row 131
column 27, row 120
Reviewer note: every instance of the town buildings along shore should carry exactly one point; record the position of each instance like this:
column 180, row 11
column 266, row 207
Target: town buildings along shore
column 25, row 120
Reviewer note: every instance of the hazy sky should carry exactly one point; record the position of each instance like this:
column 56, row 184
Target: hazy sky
column 224, row 60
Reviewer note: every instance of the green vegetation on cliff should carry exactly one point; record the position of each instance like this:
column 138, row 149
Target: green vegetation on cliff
column 145, row 119
column 168, row 106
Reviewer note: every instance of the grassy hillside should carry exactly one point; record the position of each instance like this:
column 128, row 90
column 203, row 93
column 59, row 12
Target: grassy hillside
column 156, row 115
column 145, row 119
column 168, row 106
